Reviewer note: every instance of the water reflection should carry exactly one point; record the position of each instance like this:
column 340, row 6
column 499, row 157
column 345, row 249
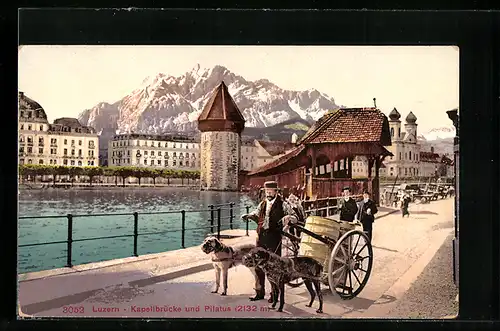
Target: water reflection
column 127, row 201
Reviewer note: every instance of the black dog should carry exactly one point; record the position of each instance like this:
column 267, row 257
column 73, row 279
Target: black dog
column 282, row 270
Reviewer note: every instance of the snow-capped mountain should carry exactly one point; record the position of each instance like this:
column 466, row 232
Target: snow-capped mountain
column 164, row 103
column 438, row 133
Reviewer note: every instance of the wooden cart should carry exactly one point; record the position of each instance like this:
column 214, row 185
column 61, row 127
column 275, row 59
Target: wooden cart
column 348, row 265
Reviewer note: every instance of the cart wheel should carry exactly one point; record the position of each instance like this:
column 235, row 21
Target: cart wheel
column 350, row 264
column 423, row 200
column 292, row 250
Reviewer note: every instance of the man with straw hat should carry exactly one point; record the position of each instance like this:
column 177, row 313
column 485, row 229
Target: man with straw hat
column 271, row 215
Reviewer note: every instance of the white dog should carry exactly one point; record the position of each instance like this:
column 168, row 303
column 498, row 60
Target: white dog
column 223, row 258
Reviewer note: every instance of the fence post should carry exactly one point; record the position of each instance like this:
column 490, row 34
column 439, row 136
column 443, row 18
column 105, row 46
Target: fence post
column 212, row 216
column 136, row 232
column 246, row 226
column 183, row 231
column 231, row 215
column 218, row 222
column 70, row 241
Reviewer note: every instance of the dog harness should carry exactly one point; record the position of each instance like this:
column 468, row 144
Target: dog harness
column 231, row 251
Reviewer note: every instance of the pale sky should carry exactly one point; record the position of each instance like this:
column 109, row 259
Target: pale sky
column 66, row 80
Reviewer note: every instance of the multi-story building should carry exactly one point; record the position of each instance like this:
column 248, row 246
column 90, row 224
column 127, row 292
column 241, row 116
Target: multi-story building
column 360, row 168
column 66, row 142
column 405, row 148
column 156, row 151
column 267, row 151
column 248, row 155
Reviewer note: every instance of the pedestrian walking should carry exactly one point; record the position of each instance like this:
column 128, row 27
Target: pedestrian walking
column 271, row 215
column 348, row 206
column 405, row 202
column 366, row 213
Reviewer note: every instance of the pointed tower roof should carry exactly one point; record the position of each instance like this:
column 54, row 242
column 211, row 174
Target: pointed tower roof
column 411, row 118
column 394, row 115
column 221, row 113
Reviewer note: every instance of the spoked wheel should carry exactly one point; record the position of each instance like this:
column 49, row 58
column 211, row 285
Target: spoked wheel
column 291, row 249
column 350, row 264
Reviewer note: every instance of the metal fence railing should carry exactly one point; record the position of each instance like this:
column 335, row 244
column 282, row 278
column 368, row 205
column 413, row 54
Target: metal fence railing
column 216, row 221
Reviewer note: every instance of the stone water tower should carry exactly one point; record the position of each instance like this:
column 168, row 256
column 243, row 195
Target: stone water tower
column 221, row 124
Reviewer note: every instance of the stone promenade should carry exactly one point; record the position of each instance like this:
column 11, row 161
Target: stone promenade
column 177, row 283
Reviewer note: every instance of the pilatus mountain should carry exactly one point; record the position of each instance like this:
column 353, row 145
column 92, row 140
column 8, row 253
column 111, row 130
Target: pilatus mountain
column 167, row 104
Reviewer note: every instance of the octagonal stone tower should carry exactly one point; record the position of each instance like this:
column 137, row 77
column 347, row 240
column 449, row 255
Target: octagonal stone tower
column 221, row 124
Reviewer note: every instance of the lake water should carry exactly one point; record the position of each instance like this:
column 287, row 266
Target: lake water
column 115, row 201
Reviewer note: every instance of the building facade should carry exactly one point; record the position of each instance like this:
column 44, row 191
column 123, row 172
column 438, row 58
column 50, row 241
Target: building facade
column 249, row 155
column 65, row 142
column 221, row 124
column 405, row 148
column 154, row 151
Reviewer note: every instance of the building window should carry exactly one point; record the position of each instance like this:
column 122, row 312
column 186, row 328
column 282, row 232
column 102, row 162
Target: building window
column 21, row 150
column 152, row 153
column 30, row 161
column 400, row 155
column 79, row 142
column 72, row 152
column 399, row 132
column 21, row 161
column 22, row 126
column 409, row 153
column 40, row 151
column 174, row 163
column 65, row 141
column 72, row 143
column 180, row 163
column 30, row 150
column 128, row 152
column 72, row 162
column 152, row 144
column 152, row 162
column 166, row 163
column 29, row 126
column 30, row 140
column 65, row 161
column 145, row 152
column 145, row 162
column 392, row 132
column 159, row 153
column 40, row 141
column 79, row 152
column 187, row 163
column 175, row 154
column 79, row 163
column 159, row 162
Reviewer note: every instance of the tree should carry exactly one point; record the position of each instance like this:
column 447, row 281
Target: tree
column 111, row 171
column 167, row 173
column 139, row 173
column 154, row 173
column 124, row 172
column 74, row 171
column 92, row 172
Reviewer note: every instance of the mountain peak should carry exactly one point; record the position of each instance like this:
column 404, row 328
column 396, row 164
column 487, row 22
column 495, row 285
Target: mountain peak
column 167, row 103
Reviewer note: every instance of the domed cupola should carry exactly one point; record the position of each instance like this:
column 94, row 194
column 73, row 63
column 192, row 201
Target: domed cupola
column 394, row 115
column 411, row 118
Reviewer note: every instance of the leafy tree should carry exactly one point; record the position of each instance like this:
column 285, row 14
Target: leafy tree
column 92, row 172
column 154, row 173
column 124, row 173
column 73, row 172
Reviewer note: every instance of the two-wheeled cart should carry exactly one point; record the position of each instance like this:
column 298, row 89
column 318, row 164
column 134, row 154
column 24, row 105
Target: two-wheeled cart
column 342, row 247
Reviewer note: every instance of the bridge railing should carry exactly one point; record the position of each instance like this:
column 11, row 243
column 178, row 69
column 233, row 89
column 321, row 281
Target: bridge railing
column 216, row 221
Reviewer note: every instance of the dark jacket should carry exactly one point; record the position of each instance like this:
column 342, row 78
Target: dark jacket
column 362, row 214
column 348, row 210
column 406, row 202
column 275, row 215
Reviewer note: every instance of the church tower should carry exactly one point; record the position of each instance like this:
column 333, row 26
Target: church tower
column 395, row 124
column 221, row 124
column 411, row 128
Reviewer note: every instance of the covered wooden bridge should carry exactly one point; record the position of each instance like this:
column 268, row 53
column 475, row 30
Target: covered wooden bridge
column 321, row 163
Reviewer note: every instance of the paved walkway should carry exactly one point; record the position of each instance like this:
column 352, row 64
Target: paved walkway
column 177, row 284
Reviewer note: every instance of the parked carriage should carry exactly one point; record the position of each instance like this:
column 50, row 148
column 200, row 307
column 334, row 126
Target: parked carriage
column 342, row 247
